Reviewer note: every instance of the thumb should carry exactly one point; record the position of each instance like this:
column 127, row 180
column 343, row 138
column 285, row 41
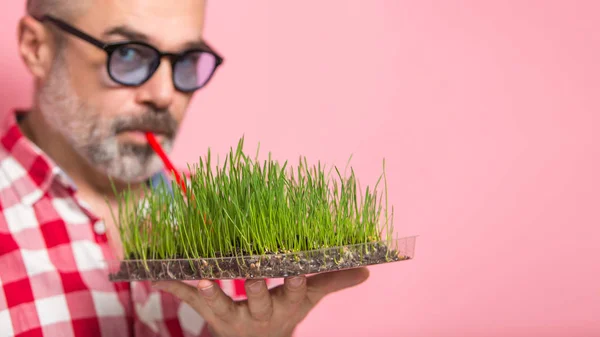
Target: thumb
column 184, row 292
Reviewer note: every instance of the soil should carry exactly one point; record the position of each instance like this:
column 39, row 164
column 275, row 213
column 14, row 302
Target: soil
column 263, row 266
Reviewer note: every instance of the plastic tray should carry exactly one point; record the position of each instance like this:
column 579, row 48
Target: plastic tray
column 265, row 266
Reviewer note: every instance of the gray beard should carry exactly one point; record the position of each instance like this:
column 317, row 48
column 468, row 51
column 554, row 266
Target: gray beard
column 94, row 137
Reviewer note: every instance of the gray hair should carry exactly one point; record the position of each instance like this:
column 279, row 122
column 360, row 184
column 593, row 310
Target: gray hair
column 64, row 9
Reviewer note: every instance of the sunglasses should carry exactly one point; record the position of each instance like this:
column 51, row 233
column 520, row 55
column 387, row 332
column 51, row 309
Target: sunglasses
column 132, row 63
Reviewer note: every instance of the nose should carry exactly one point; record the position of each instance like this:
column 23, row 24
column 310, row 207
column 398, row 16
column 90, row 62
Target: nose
column 158, row 91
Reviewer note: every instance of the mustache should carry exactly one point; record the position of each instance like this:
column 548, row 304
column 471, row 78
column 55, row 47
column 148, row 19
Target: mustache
column 156, row 121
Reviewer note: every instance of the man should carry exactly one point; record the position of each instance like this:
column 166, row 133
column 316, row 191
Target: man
column 100, row 84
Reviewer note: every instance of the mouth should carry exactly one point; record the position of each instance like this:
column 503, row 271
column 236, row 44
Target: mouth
column 138, row 136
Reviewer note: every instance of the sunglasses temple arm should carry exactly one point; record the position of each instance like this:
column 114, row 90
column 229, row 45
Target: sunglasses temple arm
column 72, row 30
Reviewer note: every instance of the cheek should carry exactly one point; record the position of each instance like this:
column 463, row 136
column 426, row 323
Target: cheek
column 86, row 70
column 89, row 78
column 110, row 103
column 180, row 106
column 84, row 83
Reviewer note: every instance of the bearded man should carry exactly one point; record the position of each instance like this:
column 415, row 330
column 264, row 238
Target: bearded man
column 105, row 73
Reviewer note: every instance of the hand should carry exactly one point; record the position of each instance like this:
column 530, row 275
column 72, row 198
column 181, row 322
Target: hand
column 266, row 313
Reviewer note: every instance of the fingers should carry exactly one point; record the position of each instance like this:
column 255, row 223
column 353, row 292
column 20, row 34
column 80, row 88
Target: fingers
column 323, row 284
column 219, row 303
column 294, row 290
column 206, row 298
column 184, row 292
column 260, row 304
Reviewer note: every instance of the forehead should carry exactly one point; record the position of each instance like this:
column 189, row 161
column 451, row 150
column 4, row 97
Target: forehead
column 160, row 22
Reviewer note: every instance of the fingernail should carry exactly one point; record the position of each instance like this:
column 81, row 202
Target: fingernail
column 255, row 287
column 207, row 289
column 158, row 285
column 296, row 281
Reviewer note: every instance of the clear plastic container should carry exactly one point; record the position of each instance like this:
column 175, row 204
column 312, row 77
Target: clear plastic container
column 265, row 266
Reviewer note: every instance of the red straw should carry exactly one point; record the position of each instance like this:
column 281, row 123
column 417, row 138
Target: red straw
column 161, row 153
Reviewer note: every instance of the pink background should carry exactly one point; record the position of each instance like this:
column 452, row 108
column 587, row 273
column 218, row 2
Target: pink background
column 487, row 114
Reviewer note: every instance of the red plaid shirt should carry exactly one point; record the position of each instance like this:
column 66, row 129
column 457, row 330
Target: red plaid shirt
column 53, row 253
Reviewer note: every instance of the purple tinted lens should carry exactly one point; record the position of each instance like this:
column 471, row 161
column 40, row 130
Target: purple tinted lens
column 194, row 70
column 132, row 64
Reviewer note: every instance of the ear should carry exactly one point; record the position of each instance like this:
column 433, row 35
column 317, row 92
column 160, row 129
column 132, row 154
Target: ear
column 36, row 46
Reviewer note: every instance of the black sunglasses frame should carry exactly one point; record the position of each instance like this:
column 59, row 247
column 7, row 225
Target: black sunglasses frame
column 110, row 48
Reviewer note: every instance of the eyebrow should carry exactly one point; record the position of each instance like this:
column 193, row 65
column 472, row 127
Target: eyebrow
column 134, row 35
column 127, row 32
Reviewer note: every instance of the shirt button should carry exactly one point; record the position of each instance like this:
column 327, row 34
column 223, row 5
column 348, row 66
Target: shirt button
column 100, row 228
